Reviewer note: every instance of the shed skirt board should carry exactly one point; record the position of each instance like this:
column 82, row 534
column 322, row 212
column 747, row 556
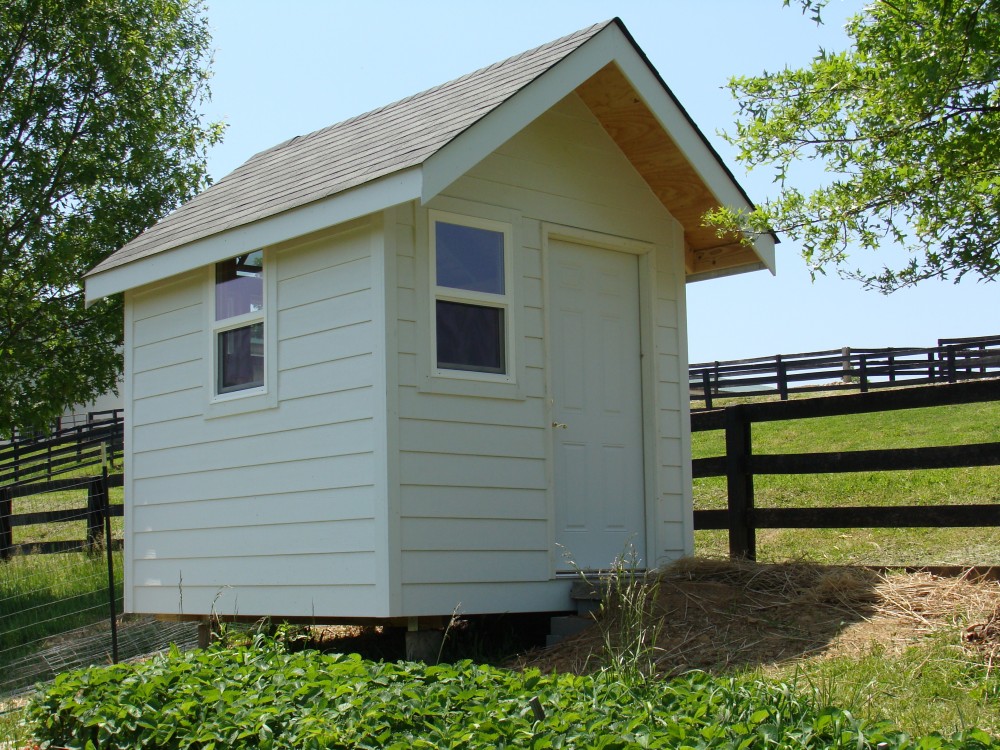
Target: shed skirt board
column 597, row 405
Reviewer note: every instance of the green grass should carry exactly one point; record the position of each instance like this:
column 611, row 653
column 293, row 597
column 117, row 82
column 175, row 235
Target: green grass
column 952, row 425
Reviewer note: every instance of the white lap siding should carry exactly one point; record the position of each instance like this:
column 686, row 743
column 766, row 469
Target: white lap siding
column 272, row 511
column 474, row 470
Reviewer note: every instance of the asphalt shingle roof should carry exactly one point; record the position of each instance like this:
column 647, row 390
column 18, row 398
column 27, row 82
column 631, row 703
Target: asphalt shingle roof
column 311, row 167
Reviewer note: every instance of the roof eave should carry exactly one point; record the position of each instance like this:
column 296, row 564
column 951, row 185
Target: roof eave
column 351, row 204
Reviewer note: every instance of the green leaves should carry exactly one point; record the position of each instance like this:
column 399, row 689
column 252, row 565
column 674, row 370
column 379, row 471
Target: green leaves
column 100, row 136
column 263, row 697
column 907, row 128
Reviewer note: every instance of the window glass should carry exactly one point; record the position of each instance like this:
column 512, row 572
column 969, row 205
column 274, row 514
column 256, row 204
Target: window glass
column 239, row 285
column 241, row 358
column 470, row 337
column 469, row 258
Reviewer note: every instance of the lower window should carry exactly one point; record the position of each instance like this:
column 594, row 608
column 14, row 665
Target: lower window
column 470, row 337
column 241, row 358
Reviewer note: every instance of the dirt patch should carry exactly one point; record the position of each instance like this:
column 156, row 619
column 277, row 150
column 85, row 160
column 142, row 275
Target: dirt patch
column 716, row 615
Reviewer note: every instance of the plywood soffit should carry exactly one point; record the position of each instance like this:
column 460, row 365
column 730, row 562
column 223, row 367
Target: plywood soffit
column 662, row 164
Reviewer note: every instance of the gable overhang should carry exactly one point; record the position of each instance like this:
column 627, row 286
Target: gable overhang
column 625, row 93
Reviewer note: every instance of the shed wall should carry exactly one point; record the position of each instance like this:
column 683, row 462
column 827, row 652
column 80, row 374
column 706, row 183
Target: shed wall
column 271, row 511
column 475, row 501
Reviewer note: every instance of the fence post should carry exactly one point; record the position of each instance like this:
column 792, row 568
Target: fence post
column 706, row 385
column 863, row 373
column 95, row 513
column 782, row 377
column 845, row 357
column 739, row 484
column 930, row 366
column 951, row 364
column 106, row 511
column 892, row 367
column 6, row 527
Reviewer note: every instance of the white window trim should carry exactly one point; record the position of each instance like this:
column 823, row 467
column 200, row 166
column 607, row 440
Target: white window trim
column 505, row 302
column 247, row 399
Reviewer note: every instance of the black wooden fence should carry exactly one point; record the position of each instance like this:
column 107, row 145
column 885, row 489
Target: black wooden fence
column 95, row 513
column 849, row 368
column 741, row 464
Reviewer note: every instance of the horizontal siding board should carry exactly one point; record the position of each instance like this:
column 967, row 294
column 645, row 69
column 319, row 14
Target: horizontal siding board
column 328, row 569
column 186, row 348
column 274, row 450
column 303, row 413
column 471, row 439
column 325, row 378
column 524, row 413
column 316, row 538
column 327, row 345
column 323, row 253
column 436, row 501
column 317, row 506
column 474, row 567
column 285, row 599
column 465, row 534
column 163, row 408
column 168, row 379
column 297, row 476
column 167, row 325
column 487, row 598
column 344, row 310
column 472, row 471
column 183, row 291
column 328, row 282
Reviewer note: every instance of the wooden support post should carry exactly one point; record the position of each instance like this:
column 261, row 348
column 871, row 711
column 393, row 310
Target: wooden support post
column 739, row 482
column 951, row 365
column 782, row 377
column 706, row 385
column 863, row 373
column 930, row 366
column 892, row 368
column 6, row 527
column 846, row 368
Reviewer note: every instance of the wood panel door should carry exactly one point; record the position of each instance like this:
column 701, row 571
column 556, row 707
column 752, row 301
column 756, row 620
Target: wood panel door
column 596, row 405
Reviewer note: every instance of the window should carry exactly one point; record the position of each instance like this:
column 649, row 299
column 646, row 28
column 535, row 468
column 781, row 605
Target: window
column 238, row 328
column 471, row 270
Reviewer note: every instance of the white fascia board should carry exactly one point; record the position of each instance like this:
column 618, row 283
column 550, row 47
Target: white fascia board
column 722, row 273
column 351, row 204
column 764, row 247
column 481, row 139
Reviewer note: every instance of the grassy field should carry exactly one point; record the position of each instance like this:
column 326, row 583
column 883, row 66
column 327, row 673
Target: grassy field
column 952, row 425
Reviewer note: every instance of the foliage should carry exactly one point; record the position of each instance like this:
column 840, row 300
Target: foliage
column 262, row 696
column 907, row 125
column 99, row 136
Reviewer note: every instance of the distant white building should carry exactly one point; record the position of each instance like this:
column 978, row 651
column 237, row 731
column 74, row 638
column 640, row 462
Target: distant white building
column 422, row 359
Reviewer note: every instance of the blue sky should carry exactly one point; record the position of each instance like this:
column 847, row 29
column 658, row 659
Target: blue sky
column 283, row 69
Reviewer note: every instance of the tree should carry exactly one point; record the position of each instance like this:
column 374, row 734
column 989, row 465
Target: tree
column 907, row 126
column 100, row 135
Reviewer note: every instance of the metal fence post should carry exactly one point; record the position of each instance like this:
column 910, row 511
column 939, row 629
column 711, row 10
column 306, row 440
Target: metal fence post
column 739, row 483
column 6, row 527
column 94, row 513
column 106, row 511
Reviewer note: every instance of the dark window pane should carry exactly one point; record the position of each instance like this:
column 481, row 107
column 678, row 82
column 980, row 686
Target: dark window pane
column 239, row 285
column 469, row 258
column 470, row 337
column 241, row 358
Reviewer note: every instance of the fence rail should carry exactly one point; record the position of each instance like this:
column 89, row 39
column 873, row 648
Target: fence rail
column 99, row 507
column 28, row 459
column 846, row 369
column 740, row 465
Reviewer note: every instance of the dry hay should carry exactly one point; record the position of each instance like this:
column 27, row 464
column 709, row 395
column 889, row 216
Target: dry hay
column 716, row 614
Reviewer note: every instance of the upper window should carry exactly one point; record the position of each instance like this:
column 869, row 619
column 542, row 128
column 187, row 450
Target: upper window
column 471, row 265
column 238, row 329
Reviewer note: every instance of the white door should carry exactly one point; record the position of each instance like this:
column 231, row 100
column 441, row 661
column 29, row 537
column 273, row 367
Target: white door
column 597, row 405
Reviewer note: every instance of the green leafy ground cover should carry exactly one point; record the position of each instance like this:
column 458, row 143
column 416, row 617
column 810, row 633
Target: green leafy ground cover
column 260, row 696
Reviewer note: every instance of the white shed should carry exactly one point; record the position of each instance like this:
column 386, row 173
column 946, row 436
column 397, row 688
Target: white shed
column 423, row 358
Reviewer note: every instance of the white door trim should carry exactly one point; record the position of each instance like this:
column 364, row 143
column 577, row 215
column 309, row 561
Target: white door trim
column 647, row 348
